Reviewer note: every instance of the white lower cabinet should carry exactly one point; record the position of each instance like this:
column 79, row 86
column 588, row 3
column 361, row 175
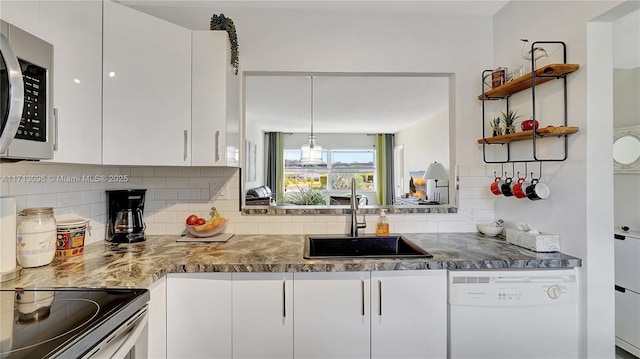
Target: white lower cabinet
column 199, row 315
column 395, row 314
column 409, row 314
column 628, row 320
column 157, row 326
column 627, row 280
column 331, row 315
column 262, row 315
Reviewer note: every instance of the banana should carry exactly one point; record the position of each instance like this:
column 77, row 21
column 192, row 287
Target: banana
column 212, row 223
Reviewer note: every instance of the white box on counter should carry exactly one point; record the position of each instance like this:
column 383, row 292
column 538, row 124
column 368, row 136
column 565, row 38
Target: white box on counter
column 537, row 242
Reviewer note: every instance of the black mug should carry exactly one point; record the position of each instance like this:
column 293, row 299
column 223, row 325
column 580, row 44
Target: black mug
column 506, row 187
column 537, row 190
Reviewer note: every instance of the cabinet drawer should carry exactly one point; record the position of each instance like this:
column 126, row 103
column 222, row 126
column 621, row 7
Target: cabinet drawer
column 628, row 317
column 627, row 263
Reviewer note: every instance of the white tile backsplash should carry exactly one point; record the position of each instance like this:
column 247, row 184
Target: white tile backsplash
column 175, row 192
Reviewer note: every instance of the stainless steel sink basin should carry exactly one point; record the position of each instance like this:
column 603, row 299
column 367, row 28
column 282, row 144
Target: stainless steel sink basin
column 337, row 247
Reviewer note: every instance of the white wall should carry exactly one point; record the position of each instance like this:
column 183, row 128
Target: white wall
column 423, row 145
column 580, row 208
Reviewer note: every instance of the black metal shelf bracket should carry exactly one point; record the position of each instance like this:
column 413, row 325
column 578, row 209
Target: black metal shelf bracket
column 534, row 138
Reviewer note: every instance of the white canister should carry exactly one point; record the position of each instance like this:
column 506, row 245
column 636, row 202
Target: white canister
column 36, row 242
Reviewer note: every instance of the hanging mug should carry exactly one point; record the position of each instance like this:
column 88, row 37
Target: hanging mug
column 506, row 187
column 496, row 186
column 519, row 188
column 537, row 190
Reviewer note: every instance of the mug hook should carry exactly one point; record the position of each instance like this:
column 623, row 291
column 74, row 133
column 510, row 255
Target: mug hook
column 539, row 173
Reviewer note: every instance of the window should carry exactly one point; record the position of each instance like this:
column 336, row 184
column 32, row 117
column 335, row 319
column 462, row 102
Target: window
column 334, row 174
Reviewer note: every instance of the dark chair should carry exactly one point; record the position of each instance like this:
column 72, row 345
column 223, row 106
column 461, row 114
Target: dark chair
column 259, row 196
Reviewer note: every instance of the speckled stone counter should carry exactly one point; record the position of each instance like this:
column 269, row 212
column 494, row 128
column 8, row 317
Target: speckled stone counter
column 343, row 209
column 140, row 264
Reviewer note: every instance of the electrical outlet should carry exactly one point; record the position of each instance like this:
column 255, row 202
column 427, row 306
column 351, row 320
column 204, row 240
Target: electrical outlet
column 217, row 189
column 473, row 215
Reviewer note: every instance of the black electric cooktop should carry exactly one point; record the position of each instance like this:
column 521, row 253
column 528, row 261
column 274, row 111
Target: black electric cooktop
column 62, row 322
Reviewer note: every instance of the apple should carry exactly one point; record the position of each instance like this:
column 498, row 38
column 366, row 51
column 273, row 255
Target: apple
column 529, row 124
column 200, row 221
column 192, row 220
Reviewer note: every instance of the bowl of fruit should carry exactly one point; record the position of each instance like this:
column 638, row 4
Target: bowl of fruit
column 200, row 227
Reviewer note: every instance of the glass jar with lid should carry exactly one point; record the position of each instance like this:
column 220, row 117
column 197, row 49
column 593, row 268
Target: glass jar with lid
column 36, row 237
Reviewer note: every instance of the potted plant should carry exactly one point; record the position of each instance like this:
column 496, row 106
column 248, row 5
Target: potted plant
column 495, row 126
column 221, row 22
column 509, row 118
column 306, row 197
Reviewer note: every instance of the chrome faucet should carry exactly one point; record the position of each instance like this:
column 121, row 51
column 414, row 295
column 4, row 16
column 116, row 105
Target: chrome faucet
column 355, row 225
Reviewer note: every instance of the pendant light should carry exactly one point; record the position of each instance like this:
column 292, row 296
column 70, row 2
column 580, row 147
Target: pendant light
column 311, row 152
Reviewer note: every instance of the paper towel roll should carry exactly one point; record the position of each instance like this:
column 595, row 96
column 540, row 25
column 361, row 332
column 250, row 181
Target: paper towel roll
column 7, row 234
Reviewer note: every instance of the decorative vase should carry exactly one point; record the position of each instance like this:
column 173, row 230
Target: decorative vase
column 496, row 131
column 509, row 129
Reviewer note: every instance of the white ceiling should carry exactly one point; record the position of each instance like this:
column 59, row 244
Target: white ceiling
column 181, row 11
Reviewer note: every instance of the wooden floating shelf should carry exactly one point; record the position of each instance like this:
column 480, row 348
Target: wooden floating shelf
column 543, row 74
column 528, row 135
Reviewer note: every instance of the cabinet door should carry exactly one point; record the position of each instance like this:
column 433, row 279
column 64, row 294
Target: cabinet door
column 409, row 314
column 331, row 315
column 262, row 315
column 199, row 315
column 215, row 101
column 627, row 263
column 146, row 89
column 157, row 327
column 21, row 14
column 628, row 317
column 75, row 30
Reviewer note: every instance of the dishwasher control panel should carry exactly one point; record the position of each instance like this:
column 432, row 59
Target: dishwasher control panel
column 512, row 288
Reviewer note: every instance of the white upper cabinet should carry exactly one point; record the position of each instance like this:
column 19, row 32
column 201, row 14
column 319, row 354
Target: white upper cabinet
column 146, row 89
column 21, row 14
column 75, row 30
column 215, row 101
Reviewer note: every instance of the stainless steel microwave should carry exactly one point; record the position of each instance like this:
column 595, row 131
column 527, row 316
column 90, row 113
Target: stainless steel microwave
column 26, row 95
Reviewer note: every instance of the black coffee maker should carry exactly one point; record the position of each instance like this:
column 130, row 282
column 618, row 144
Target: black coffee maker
column 125, row 209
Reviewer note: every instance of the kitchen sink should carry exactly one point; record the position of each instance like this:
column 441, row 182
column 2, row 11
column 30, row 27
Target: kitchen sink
column 347, row 247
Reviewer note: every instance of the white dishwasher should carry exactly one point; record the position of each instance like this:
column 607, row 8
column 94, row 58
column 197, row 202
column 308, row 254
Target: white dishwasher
column 513, row 314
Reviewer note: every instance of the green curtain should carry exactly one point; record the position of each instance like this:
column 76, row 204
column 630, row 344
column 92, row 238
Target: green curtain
column 384, row 167
column 275, row 165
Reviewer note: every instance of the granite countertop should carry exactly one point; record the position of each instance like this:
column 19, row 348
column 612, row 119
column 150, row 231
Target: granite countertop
column 345, row 209
column 104, row 264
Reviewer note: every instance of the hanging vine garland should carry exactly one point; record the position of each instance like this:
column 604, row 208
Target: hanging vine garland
column 220, row 22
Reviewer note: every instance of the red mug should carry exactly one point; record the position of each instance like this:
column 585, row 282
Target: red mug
column 519, row 188
column 496, row 186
